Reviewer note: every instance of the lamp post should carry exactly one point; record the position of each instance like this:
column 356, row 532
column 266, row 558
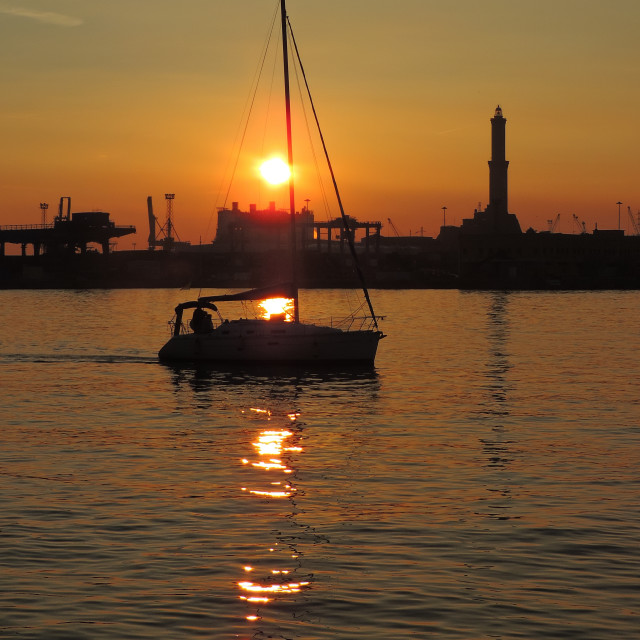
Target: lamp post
column 618, row 203
column 444, row 216
column 44, row 206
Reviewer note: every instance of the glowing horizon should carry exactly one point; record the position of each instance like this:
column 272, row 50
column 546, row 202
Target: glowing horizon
column 407, row 123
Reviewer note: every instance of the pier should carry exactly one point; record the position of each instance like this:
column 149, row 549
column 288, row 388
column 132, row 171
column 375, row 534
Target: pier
column 68, row 234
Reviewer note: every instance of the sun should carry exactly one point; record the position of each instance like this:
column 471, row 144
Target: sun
column 275, row 171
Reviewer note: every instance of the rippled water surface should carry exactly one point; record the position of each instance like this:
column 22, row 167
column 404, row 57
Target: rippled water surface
column 481, row 482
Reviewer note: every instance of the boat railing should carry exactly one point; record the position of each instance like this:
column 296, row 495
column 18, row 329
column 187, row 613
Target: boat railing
column 172, row 326
column 350, row 323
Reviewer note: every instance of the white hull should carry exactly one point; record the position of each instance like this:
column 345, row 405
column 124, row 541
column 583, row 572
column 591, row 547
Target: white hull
column 273, row 342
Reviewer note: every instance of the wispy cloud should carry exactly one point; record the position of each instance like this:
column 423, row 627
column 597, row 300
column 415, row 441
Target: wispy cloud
column 47, row 17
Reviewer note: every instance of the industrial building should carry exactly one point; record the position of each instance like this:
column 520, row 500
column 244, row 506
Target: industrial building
column 270, row 229
column 68, row 234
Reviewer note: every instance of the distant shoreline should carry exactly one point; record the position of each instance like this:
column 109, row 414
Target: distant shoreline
column 539, row 262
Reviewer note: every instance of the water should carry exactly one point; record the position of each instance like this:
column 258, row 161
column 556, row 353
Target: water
column 482, row 482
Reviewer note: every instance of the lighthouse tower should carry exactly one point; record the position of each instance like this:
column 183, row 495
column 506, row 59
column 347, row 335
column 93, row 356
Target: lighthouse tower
column 498, row 194
column 495, row 219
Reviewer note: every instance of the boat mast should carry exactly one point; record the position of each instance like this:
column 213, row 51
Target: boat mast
column 292, row 202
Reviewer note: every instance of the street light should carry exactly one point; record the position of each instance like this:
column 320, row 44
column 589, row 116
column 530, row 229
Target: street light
column 618, row 203
column 444, row 216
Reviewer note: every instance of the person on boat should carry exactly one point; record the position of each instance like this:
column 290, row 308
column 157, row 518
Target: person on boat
column 201, row 321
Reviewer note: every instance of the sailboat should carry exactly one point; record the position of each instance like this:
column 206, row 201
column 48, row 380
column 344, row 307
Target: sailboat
column 282, row 338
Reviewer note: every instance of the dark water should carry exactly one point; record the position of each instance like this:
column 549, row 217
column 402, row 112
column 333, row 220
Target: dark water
column 482, row 482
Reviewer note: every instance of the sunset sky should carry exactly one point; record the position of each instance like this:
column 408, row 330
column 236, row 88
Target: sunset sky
column 110, row 102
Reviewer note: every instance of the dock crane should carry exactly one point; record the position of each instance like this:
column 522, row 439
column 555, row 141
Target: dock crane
column 393, row 226
column 553, row 224
column 161, row 235
column 635, row 224
column 580, row 224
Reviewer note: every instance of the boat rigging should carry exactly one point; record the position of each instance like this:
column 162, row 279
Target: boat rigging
column 276, row 340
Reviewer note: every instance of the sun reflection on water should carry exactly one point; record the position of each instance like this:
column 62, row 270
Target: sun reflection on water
column 276, row 309
column 290, row 587
column 269, row 471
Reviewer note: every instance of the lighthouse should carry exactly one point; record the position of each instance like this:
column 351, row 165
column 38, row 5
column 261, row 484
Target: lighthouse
column 498, row 166
column 495, row 219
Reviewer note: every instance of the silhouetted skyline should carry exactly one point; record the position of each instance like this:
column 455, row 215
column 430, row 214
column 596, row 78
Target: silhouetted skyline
column 110, row 103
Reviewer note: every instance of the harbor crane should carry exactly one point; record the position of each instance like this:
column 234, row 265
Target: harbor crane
column 582, row 228
column 167, row 231
column 393, row 226
column 553, row 224
column 635, row 224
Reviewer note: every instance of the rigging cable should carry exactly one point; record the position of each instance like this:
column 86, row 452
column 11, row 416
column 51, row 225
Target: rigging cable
column 268, row 109
column 325, row 200
column 335, row 185
column 359, row 304
column 250, row 107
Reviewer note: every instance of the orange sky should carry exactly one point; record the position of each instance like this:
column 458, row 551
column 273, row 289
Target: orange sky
column 111, row 102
